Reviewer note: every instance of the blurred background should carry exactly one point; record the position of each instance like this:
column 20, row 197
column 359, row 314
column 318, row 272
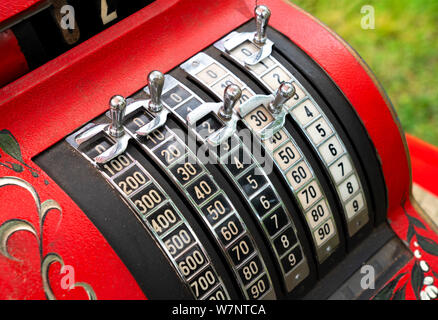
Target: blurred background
column 402, row 50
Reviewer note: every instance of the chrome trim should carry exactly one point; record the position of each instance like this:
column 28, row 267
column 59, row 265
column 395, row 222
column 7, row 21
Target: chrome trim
column 90, row 133
column 159, row 121
column 253, row 103
column 202, row 111
column 116, row 150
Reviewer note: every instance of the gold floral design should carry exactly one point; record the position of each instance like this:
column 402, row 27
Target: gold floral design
column 8, row 228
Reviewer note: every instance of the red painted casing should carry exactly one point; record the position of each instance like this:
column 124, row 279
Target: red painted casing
column 424, row 159
column 47, row 104
column 11, row 9
column 13, row 64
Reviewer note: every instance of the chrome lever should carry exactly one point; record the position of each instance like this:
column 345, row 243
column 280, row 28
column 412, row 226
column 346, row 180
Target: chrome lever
column 258, row 38
column 114, row 129
column 117, row 114
column 155, row 106
column 274, row 104
column 225, row 111
column 262, row 15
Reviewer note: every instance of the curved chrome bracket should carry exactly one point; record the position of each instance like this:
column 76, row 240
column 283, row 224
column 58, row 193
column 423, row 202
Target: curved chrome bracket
column 117, row 149
column 264, row 100
column 90, row 133
column 275, row 126
column 220, row 136
column 201, row 111
column 235, row 39
column 159, row 121
column 264, row 52
column 253, row 103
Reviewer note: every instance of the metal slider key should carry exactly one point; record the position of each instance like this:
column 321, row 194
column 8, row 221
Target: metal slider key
column 224, row 110
column 259, row 38
column 114, row 130
column 155, row 106
column 118, row 112
column 274, row 104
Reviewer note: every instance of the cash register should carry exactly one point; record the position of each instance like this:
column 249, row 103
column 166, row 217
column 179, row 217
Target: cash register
column 206, row 150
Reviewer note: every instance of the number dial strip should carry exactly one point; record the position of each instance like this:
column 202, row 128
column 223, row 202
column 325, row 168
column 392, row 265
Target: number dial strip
column 287, row 156
column 271, row 214
column 211, row 203
column 317, row 128
column 291, row 260
column 161, row 218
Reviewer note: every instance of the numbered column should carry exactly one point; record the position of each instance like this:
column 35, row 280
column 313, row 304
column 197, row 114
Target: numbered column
column 160, row 217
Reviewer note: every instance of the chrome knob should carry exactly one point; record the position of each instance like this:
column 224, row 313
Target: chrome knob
column 232, row 94
column 156, row 84
column 283, row 94
column 262, row 15
column 117, row 114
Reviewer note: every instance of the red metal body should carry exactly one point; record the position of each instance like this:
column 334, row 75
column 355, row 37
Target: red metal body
column 47, row 104
column 13, row 64
column 424, row 159
column 10, row 9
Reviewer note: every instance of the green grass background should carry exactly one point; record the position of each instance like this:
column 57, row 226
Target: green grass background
column 402, row 51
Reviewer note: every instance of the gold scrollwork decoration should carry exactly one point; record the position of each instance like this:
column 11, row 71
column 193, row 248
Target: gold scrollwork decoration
column 8, row 228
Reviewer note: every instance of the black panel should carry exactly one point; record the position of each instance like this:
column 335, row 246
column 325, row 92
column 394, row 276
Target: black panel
column 40, row 35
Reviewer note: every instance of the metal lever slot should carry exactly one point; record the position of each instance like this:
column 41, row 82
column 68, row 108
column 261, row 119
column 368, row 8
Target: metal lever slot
column 274, row 104
column 264, row 100
column 156, row 81
column 114, row 130
column 221, row 135
column 224, row 111
column 258, row 38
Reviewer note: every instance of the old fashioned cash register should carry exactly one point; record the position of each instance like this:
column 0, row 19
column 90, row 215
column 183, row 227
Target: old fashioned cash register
column 208, row 150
